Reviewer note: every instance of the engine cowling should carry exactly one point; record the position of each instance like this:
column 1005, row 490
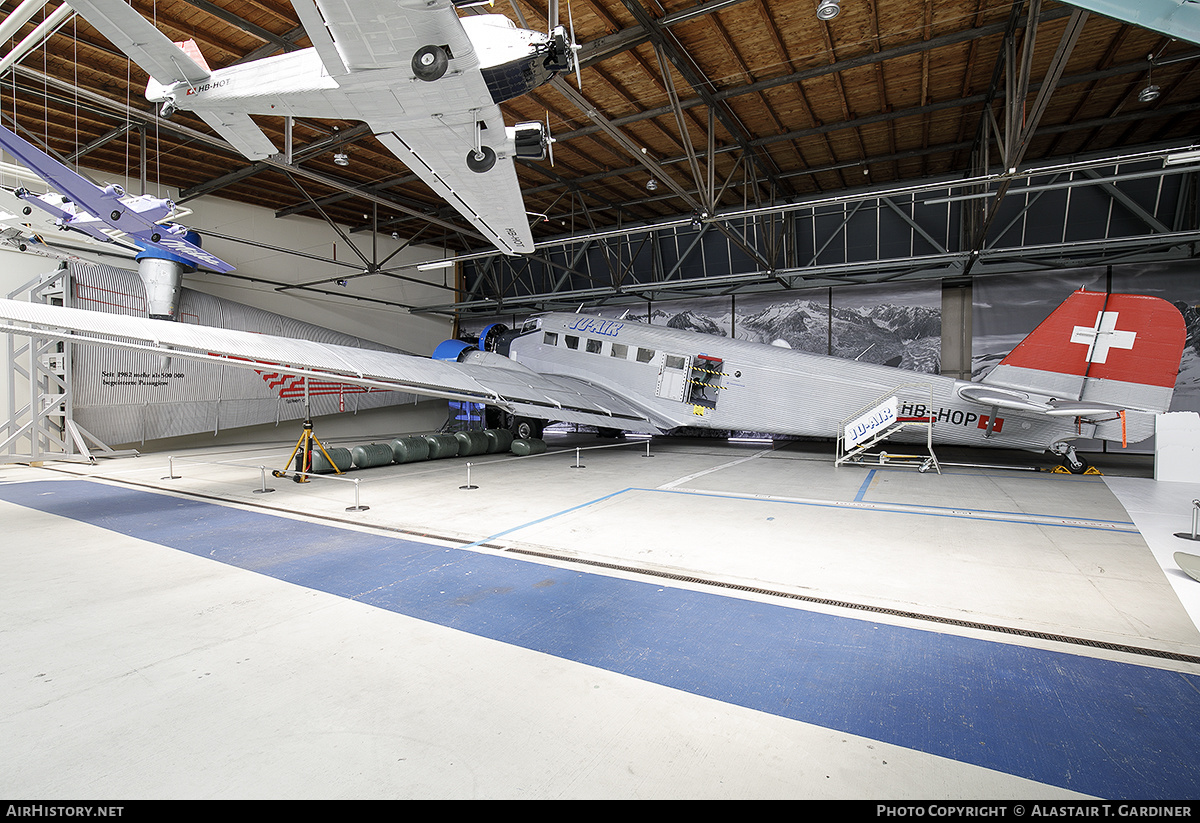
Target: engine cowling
column 528, row 140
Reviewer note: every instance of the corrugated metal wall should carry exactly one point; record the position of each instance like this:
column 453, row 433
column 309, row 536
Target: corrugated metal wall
column 129, row 397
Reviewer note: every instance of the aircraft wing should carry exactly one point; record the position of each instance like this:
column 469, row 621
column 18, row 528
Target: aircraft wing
column 431, row 126
column 512, row 388
column 381, row 34
column 107, row 208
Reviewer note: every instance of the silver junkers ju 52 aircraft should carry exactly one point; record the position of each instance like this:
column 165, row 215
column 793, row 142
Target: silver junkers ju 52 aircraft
column 427, row 82
column 1101, row 366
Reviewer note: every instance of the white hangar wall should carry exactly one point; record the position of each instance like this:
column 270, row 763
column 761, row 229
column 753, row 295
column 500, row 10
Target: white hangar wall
column 260, row 269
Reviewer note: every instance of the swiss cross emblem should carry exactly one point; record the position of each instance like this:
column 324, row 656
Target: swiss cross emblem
column 1103, row 336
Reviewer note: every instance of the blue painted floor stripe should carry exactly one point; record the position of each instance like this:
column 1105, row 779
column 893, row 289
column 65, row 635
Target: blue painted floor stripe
column 862, row 490
column 1099, row 727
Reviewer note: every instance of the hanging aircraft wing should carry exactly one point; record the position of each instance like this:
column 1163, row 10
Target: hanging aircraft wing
column 96, row 211
column 431, row 126
column 510, row 387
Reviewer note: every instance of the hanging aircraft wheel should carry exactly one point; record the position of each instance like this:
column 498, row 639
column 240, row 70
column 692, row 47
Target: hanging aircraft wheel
column 481, row 161
column 116, row 215
column 27, row 211
column 430, row 63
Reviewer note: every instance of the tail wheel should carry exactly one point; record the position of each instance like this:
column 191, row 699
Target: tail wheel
column 1075, row 464
column 430, row 63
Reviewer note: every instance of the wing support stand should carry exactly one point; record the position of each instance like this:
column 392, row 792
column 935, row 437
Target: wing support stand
column 303, row 456
column 42, row 370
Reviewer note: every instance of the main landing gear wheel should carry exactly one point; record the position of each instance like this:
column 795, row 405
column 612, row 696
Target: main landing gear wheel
column 482, row 160
column 526, row 428
column 429, row 63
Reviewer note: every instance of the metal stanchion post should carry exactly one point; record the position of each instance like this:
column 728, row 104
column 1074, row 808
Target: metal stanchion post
column 577, row 466
column 357, row 507
column 1195, row 535
column 468, row 486
column 171, row 469
column 262, row 489
column 647, row 454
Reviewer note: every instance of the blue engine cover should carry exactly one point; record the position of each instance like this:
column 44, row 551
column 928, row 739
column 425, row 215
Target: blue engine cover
column 450, row 350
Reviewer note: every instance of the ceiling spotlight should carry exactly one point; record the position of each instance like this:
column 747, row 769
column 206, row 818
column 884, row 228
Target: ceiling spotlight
column 828, row 9
column 341, row 159
column 651, row 184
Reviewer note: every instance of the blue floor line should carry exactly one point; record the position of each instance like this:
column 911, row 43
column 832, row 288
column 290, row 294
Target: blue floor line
column 1102, row 728
column 862, row 490
column 987, row 517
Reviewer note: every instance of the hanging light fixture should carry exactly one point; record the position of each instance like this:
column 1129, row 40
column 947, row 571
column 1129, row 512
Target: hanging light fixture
column 341, row 159
column 651, row 184
column 828, row 9
column 1151, row 92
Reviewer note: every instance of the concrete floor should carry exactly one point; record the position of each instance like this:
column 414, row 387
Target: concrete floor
column 715, row 620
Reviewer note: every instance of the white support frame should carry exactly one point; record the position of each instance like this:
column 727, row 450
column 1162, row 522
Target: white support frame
column 40, row 369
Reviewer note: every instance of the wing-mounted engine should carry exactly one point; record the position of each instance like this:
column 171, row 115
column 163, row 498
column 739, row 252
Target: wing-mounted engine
column 529, row 140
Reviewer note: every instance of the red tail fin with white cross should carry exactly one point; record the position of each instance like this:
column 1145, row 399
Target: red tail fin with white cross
column 1119, row 349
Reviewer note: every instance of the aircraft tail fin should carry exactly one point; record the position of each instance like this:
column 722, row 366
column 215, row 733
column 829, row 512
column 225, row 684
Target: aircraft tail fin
column 1116, row 350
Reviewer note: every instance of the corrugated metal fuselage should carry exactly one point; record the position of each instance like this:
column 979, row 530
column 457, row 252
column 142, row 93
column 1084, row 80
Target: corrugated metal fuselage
column 684, row 378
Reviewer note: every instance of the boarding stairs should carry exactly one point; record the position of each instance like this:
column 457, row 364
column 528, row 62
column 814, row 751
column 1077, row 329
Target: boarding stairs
column 860, row 434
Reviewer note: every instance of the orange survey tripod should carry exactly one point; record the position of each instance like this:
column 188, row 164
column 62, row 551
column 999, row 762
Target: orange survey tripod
column 302, row 454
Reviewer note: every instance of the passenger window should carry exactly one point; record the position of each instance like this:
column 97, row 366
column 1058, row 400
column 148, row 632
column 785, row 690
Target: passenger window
column 572, row 341
column 674, row 362
column 550, row 338
column 645, row 355
column 593, row 346
column 620, row 350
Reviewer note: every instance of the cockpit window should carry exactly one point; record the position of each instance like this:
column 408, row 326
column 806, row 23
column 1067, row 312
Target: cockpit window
column 532, row 324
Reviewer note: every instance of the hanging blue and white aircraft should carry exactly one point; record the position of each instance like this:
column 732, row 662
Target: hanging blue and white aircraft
column 427, row 82
column 106, row 213
column 1100, row 366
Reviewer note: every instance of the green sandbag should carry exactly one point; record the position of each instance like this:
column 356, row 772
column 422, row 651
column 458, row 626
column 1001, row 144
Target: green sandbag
column 525, row 446
column 371, row 455
column 441, row 445
column 410, row 450
column 340, row 457
column 470, row 443
column 499, row 440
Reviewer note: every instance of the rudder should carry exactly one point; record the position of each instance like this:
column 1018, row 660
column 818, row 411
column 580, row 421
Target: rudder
column 1122, row 349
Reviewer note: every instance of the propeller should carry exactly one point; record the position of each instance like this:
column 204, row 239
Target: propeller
column 549, row 140
column 574, row 47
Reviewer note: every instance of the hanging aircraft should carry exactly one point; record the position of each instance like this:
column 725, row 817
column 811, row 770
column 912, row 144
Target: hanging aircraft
column 105, row 213
column 427, row 82
column 1101, row 366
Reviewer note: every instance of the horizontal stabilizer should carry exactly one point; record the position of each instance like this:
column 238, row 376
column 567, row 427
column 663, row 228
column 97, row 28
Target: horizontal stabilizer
column 153, row 51
column 241, row 132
